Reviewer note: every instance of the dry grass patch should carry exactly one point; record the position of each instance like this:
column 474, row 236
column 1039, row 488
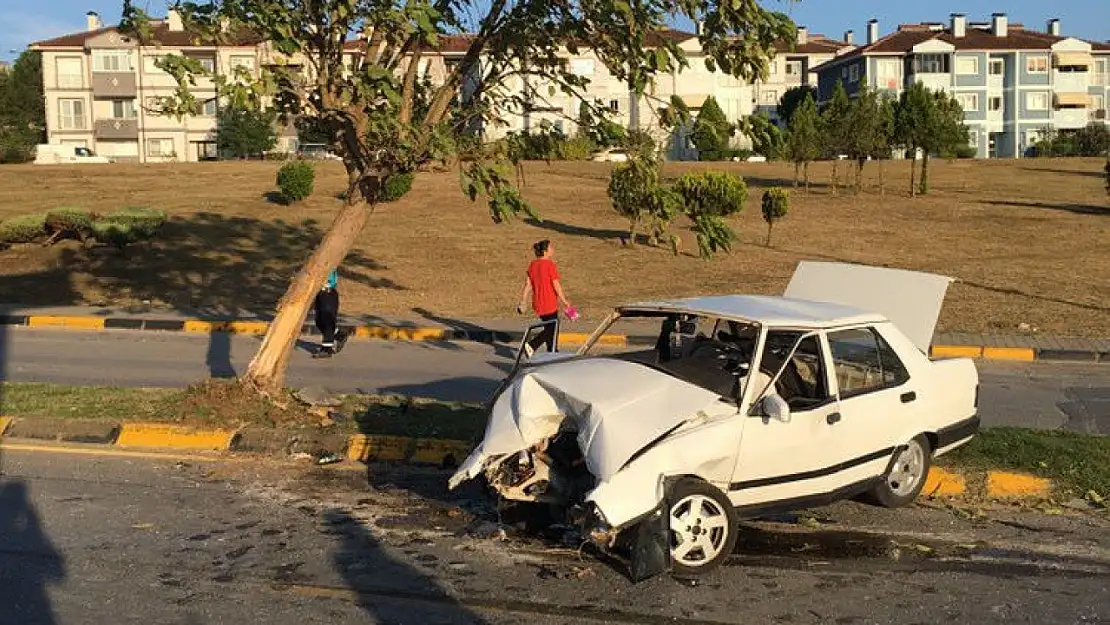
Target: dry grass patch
column 1025, row 238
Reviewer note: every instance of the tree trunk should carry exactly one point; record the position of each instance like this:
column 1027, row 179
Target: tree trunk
column 882, row 179
column 805, row 170
column 913, row 174
column 925, row 173
column 632, row 225
column 266, row 372
column 836, row 165
column 859, row 175
column 796, row 167
column 768, row 243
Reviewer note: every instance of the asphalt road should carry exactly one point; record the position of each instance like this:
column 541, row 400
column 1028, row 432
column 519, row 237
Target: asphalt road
column 89, row 539
column 1047, row 396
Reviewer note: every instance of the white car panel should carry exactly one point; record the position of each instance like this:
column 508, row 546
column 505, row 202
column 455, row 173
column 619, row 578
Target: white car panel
column 910, row 299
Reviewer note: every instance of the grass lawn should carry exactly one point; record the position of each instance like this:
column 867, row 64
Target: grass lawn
column 1027, row 240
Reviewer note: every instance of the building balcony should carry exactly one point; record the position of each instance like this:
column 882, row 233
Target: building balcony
column 116, row 128
column 114, row 85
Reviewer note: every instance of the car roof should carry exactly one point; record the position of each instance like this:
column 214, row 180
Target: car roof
column 768, row 310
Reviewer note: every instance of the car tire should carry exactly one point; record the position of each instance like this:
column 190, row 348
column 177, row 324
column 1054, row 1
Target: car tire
column 702, row 525
column 902, row 483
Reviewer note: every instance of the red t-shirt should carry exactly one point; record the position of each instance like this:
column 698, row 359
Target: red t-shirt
column 543, row 273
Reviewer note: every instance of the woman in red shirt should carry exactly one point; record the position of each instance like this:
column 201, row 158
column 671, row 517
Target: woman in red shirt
column 547, row 292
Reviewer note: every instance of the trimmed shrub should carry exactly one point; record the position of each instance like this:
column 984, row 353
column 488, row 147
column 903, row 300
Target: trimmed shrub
column 296, row 179
column 146, row 222
column 776, row 203
column 714, row 193
column 68, row 223
column 23, row 229
column 396, row 186
column 116, row 234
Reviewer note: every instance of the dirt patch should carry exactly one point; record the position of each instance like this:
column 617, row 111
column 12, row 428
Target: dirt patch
column 1008, row 230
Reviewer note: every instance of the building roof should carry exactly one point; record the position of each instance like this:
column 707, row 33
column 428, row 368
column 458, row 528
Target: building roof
column 977, row 37
column 769, row 310
column 161, row 33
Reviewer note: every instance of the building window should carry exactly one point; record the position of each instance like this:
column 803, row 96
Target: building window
column 1036, row 65
column 70, row 72
column 71, row 115
column 768, row 97
column 998, row 67
column 969, row 102
column 994, row 103
column 244, row 61
column 208, row 63
column 1098, row 107
column 772, row 67
column 931, row 64
column 973, row 138
column 853, row 74
column 159, row 147
column 582, row 67
column 888, row 74
column 123, row 109
column 793, row 68
column 1037, row 101
column 615, row 106
column 112, row 61
column 209, row 108
column 967, row 65
column 1100, row 78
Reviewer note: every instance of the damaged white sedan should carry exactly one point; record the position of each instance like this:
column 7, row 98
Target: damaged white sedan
column 745, row 406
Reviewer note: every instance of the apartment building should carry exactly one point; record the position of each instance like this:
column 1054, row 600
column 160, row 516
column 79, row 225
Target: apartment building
column 795, row 66
column 101, row 87
column 1012, row 82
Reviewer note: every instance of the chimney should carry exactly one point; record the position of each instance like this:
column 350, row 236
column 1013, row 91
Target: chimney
column 173, row 21
column 1053, row 27
column 1000, row 26
column 92, row 21
column 872, row 31
column 849, row 37
column 959, row 25
column 803, row 35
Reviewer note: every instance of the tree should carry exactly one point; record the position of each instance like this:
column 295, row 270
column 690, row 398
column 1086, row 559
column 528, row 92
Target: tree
column 885, row 139
column 836, row 119
column 776, row 203
column 712, row 130
column 945, row 132
column 243, row 131
column 911, row 120
column 1107, row 170
column 803, row 138
column 22, row 108
column 708, row 199
column 1092, row 140
column 767, row 139
column 382, row 127
column 792, row 100
column 865, row 121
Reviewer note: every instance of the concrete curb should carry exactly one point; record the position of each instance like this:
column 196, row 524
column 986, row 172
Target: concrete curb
column 484, row 335
column 445, row 453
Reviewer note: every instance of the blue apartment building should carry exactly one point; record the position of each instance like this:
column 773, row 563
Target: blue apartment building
column 1012, row 82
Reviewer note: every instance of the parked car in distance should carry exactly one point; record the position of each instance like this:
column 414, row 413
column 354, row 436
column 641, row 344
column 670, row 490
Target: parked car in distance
column 610, row 155
column 745, row 406
column 56, row 154
column 317, row 151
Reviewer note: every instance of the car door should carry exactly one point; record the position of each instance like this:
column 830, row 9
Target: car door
column 876, row 400
column 781, row 462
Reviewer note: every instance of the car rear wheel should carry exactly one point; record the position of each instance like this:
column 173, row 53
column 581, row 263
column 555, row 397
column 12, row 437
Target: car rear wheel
column 703, row 527
column 906, row 477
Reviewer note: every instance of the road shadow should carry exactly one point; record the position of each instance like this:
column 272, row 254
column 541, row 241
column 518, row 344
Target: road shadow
column 1079, row 209
column 207, row 265
column 218, row 357
column 499, row 340
column 387, row 589
column 465, row 389
column 29, row 562
column 604, row 234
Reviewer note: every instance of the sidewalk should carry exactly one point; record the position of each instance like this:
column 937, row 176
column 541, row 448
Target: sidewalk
column 1017, row 347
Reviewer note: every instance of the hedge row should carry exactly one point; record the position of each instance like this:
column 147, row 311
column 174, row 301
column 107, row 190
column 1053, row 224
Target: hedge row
column 120, row 228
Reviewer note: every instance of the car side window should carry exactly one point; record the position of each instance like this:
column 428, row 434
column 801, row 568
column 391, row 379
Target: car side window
column 864, row 362
column 803, row 381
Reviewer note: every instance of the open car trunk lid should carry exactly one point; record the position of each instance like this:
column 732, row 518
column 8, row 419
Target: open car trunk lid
column 617, row 408
column 911, row 300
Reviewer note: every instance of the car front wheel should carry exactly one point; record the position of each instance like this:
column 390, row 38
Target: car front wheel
column 906, row 477
column 703, row 527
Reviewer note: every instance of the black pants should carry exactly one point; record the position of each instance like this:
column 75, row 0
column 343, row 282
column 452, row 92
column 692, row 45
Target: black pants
column 327, row 314
column 549, row 335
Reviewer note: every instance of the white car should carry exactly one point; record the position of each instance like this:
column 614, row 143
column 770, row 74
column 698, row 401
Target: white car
column 610, row 156
column 746, row 406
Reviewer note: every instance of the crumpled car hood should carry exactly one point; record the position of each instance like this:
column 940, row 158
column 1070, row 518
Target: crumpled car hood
column 617, row 408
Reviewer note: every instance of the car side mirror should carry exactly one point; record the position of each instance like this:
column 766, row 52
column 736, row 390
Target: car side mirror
column 774, row 407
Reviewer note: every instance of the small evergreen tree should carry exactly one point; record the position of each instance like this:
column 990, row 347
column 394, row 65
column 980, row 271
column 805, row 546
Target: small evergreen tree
column 911, row 121
column 712, row 130
column 803, row 138
column 791, row 101
column 243, row 131
column 776, row 203
column 836, row 120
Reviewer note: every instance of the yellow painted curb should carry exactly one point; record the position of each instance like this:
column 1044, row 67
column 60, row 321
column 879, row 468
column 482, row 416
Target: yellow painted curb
column 363, row 448
column 1005, row 485
column 1023, row 354
column 4, row 423
column 578, row 338
column 233, row 327
column 957, row 351
column 420, row 334
column 175, row 436
column 942, row 483
column 84, row 323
